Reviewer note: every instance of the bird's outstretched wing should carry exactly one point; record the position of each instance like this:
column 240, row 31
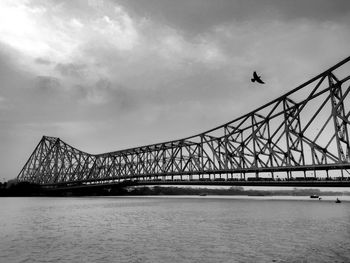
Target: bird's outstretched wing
column 260, row 81
column 257, row 78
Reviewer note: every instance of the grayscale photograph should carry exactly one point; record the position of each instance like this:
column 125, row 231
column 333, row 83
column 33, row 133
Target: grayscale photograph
column 174, row 131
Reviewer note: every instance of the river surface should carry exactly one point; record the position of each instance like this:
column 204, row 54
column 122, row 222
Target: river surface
column 174, row 229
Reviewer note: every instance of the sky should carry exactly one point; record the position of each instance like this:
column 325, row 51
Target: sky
column 105, row 75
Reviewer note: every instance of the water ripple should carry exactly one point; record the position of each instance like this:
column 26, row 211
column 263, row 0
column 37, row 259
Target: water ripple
column 163, row 229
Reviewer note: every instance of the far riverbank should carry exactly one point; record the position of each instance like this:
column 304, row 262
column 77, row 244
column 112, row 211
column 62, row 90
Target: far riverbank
column 25, row 189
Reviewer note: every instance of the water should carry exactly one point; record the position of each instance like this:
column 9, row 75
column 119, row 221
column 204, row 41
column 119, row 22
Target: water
column 174, row 229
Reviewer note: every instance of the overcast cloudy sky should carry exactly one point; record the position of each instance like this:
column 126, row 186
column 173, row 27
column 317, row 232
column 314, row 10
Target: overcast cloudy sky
column 105, row 75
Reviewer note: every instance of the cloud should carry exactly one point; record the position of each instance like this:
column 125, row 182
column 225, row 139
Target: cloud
column 3, row 105
column 99, row 93
column 71, row 70
column 47, row 83
column 137, row 53
column 142, row 72
column 119, row 31
column 194, row 18
column 42, row 61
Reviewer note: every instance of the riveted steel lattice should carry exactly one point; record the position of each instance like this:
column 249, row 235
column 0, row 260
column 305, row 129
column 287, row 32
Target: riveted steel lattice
column 303, row 131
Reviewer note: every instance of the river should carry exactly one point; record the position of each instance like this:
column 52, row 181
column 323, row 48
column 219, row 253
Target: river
column 174, row 229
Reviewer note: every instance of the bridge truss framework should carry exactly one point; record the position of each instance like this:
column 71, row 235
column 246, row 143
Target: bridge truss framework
column 299, row 135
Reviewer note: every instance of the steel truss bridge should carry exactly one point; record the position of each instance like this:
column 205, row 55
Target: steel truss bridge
column 298, row 139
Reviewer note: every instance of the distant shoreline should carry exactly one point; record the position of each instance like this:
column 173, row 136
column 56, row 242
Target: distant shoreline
column 21, row 189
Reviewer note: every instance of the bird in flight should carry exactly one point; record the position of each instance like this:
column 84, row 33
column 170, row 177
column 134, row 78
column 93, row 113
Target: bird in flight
column 257, row 78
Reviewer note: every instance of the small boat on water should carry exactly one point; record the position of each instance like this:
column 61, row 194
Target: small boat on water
column 314, row 196
column 337, row 201
column 202, row 194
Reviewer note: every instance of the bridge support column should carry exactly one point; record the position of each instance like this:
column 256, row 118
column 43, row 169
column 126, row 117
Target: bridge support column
column 295, row 150
column 340, row 119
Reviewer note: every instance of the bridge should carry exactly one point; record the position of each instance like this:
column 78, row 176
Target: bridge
column 298, row 139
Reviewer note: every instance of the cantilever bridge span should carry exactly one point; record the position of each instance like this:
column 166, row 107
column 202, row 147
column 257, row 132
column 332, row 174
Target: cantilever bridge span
column 300, row 137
